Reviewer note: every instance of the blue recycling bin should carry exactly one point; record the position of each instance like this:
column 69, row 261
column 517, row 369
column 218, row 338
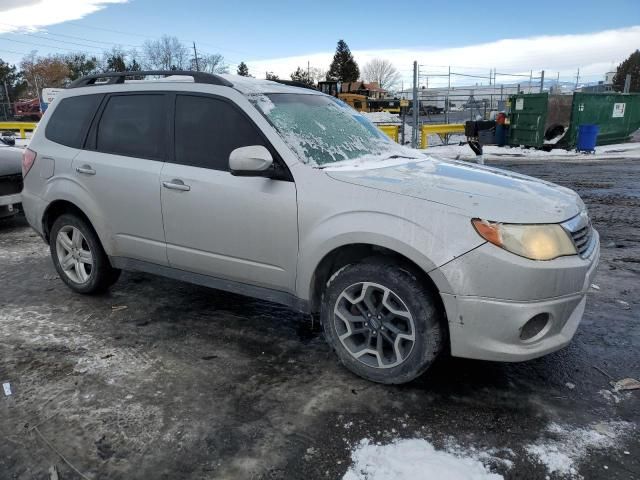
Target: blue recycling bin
column 587, row 136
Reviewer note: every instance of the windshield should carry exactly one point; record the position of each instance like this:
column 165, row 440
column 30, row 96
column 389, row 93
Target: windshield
column 321, row 129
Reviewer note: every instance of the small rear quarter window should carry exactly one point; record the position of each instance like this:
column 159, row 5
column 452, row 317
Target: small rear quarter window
column 71, row 120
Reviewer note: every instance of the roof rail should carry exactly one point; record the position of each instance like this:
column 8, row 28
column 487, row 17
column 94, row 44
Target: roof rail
column 119, row 77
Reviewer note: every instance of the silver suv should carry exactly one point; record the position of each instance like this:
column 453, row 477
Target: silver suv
column 289, row 195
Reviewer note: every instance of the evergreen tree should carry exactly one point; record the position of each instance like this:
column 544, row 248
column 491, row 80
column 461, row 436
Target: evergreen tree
column 343, row 67
column 243, row 70
column 271, row 76
column 115, row 63
column 79, row 64
column 630, row 66
column 301, row 76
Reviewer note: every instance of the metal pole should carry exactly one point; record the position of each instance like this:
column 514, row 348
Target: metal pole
column 195, row 55
column 6, row 90
column 627, row 84
column 542, row 82
column 577, row 78
column 530, row 80
column 416, row 106
column 446, row 117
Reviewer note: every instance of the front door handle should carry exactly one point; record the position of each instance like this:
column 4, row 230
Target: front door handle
column 176, row 184
column 86, row 169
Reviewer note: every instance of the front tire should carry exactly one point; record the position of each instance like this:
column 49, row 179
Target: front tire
column 382, row 322
column 78, row 256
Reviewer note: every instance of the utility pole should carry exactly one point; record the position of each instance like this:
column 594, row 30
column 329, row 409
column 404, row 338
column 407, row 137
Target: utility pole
column 530, row 80
column 577, row 78
column 558, row 83
column 308, row 68
column 542, row 81
column 416, row 107
column 627, row 84
column 446, row 116
column 195, row 54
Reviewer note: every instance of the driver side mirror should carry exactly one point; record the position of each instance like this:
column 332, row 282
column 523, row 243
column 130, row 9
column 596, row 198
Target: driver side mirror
column 251, row 161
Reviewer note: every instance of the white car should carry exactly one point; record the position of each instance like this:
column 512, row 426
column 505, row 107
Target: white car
column 10, row 177
column 289, row 195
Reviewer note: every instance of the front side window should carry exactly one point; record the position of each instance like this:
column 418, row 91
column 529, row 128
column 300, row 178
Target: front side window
column 134, row 126
column 71, row 119
column 321, row 129
column 208, row 129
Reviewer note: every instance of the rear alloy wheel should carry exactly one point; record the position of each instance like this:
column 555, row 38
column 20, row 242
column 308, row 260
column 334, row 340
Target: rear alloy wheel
column 79, row 257
column 381, row 321
column 74, row 254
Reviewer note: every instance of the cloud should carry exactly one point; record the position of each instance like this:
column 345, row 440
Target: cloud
column 594, row 53
column 18, row 15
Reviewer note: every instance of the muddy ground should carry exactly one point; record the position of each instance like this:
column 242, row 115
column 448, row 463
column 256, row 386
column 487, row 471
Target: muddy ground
column 161, row 379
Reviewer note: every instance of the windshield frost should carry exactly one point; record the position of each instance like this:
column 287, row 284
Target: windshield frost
column 321, row 129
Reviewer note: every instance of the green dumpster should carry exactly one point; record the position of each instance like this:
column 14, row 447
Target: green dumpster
column 548, row 121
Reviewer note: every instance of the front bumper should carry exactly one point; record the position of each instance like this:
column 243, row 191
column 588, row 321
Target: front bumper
column 489, row 327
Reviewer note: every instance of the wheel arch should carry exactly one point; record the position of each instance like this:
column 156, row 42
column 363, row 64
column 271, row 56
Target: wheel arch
column 60, row 207
column 345, row 254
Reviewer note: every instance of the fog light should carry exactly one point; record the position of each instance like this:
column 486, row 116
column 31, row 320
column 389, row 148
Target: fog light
column 534, row 326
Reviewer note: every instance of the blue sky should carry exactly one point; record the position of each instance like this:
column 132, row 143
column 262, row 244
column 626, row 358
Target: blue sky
column 261, row 31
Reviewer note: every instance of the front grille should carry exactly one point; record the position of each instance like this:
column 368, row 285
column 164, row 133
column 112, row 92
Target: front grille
column 581, row 231
column 582, row 239
column 10, row 184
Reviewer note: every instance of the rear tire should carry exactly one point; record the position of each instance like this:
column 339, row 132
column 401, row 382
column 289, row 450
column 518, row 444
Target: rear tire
column 78, row 255
column 382, row 322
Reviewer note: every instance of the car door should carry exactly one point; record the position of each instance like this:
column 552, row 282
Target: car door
column 238, row 228
column 120, row 167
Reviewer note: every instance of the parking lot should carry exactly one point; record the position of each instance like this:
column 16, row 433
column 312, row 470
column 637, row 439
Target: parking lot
column 163, row 379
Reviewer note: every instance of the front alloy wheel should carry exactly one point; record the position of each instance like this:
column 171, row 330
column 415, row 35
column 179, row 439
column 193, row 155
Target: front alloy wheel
column 383, row 320
column 374, row 325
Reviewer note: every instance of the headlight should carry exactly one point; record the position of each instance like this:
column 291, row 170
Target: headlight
column 537, row 242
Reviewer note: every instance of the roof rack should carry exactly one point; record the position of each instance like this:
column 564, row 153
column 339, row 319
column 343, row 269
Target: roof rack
column 119, row 77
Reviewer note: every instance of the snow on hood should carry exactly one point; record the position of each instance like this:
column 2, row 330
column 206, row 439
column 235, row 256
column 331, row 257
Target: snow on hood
column 479, row 191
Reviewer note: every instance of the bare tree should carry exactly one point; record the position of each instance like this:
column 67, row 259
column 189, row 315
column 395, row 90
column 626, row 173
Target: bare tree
column 211, row 63
column 317, row 74
column 381, row 71
column 167, row 53
column 41, row 72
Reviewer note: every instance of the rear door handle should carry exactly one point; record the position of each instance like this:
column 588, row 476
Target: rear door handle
column 176, row 184
column 86, row 169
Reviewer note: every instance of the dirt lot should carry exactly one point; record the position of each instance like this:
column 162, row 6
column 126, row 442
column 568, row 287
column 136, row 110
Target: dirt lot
column 161, row 379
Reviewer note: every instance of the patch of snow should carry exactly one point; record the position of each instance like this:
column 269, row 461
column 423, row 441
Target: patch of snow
column 564, row 447
column 414, row 459
column 381, row 117
column 493, row 152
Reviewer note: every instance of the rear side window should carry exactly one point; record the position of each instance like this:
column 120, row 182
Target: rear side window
column 71, row 119
column 134, row 126
column 207, row 130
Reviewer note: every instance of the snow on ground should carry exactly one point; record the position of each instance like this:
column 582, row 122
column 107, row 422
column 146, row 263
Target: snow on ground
column 563, row 448
column 493, row 152
column 414, row 459
column 382, row 117
column 560, row 450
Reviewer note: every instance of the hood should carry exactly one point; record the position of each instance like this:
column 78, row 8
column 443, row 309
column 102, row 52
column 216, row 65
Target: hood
column 477, row 191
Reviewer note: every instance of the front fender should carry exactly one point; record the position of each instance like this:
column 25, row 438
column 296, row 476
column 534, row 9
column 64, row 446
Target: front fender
column 425, row 248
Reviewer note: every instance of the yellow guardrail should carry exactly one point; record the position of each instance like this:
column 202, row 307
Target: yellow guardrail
column 438, row 129
column 391, row 130
column 22, row 127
